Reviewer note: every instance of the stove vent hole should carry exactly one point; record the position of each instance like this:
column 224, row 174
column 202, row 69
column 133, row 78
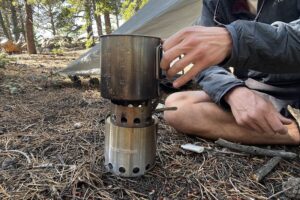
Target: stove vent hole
column 148, row 167
column 110, row 166
column 136, row 121
column 123, row 120
column 136, row 170
column 122, row 170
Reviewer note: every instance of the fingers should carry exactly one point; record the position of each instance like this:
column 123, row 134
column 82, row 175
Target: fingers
column 181, row 64
column 284, row 120
column 169, row 56
column 276, row 124
column 189, row 75
column 185, row 78
column 174, row 40
column 251, row 125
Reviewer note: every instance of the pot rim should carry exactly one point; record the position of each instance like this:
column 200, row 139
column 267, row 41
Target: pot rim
column 130, row 35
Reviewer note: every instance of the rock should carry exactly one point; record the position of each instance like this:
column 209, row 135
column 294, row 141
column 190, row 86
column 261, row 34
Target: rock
column 294, row 185
column 13, row 90
column 78, row 125
column 94, row 82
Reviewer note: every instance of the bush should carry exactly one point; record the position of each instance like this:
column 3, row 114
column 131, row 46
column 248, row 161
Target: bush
column 3, row 60
column 89, row 43
column 57, row 51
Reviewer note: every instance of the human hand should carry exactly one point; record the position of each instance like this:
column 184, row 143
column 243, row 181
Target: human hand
column 201, row 46
column 253, row 111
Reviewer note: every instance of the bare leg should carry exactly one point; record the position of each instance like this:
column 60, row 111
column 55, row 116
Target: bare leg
column 198, row 115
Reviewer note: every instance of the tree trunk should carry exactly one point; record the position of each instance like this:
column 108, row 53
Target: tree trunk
column 7, row 23
column 21, row 13
column 52, row 20
column 117, row 11
column 14, row 20
column 29, row 29
column 88, row 19
column 4, row 28
column 98, row 20
column 107, row 22
column 117, row 20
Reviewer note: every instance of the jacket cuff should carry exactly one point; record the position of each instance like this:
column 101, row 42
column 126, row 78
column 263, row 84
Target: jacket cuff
column 217, row 86
column 233, row 59
column 222, row 101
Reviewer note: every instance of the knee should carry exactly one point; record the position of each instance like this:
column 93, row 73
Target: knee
column 177, row 100
column 174, row 99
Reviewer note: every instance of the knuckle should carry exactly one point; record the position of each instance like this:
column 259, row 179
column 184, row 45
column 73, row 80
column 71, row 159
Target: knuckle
column 187, row 30
column 167, row 57
column 253, row 115
column 240, row 121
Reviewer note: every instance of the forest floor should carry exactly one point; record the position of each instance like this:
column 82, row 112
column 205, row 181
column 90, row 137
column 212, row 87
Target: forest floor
column 45, row 154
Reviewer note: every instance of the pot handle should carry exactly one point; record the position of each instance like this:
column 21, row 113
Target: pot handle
column 158, row 59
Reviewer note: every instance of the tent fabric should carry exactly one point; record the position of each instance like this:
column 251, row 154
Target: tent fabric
column 160, row 18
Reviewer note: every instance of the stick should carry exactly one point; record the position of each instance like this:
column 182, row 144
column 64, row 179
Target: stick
column 255, row 150
column 165, row 109
column 266, row 169
column 278, row 193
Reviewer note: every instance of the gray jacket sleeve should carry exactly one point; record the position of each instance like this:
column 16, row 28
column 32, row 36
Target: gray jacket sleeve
column 266, row 48
column 215, row 81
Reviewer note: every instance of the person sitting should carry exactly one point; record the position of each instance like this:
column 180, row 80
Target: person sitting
column 261, row 41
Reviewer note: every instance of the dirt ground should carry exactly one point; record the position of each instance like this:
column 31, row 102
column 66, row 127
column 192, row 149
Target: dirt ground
column 44, row 155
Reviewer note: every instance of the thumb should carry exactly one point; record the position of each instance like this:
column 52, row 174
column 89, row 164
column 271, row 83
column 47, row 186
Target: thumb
column 284, row 120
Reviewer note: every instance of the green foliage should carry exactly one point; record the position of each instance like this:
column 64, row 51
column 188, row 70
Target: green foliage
column 57, row 51
column 66, row 21
column 3, row 60
column 106, row 5
column 130, row 7
column 89, row 43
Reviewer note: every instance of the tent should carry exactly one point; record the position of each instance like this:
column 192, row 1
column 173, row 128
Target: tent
column 160, row 18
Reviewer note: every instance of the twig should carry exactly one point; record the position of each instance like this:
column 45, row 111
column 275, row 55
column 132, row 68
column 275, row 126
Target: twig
column 27, row 127
column 255, row 150
column 165, row 109
column 51, row 165
column 238, row 191
column 17, row 151
column 266, row 169
column 3, row 191
column 278, row 193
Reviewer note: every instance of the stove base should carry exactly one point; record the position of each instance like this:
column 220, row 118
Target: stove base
column 130, row 152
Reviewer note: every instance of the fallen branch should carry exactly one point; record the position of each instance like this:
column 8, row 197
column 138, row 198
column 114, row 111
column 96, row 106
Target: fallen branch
column 256, row 150
column 266, row 169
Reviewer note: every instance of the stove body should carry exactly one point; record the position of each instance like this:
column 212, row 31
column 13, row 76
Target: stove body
column 129, row 78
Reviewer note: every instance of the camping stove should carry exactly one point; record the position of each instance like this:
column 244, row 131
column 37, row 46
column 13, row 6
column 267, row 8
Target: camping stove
column 129, row 78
